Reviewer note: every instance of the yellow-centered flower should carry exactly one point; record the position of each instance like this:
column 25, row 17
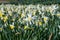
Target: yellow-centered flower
column 12, row 26
column 29, row 18
column 34, row 12
column 13, row 19
column 5, row 18
column 45, row 19
column 40, row 23
column 22, row 15
column 47, row 9
column 10, row 13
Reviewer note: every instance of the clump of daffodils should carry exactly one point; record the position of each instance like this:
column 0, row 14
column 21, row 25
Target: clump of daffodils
column 27, row 13
column 23, row 21
column 29, row 17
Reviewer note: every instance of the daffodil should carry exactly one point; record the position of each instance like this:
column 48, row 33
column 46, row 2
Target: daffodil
column 26, row 27
column 40, row 23
column 59, row 26
column 13, row 19
column 10, row 14
column 22, row 15
column 5, row 18
column 12, row 26
column 47, row 9
column 29, row 18
column 34, row 12
column 1, row 14
column 45, row 19
column 51, row 9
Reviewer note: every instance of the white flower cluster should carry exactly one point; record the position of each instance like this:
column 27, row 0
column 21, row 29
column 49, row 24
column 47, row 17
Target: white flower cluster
column 28, row 14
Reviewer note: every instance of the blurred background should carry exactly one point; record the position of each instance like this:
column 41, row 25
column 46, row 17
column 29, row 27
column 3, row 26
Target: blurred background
column 31, row 1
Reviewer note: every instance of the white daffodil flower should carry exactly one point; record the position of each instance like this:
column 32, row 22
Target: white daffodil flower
column 59, row 26
column 45, row 19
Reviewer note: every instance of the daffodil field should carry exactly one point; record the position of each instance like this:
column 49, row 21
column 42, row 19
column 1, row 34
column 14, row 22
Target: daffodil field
column 30, row 22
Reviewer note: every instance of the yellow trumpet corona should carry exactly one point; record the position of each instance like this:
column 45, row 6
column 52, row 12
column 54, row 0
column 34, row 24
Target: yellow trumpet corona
column 22, row 15
column 45, row 19
column 12, row 26
column 29, row 18
column 40, row 23
column 5, row 18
